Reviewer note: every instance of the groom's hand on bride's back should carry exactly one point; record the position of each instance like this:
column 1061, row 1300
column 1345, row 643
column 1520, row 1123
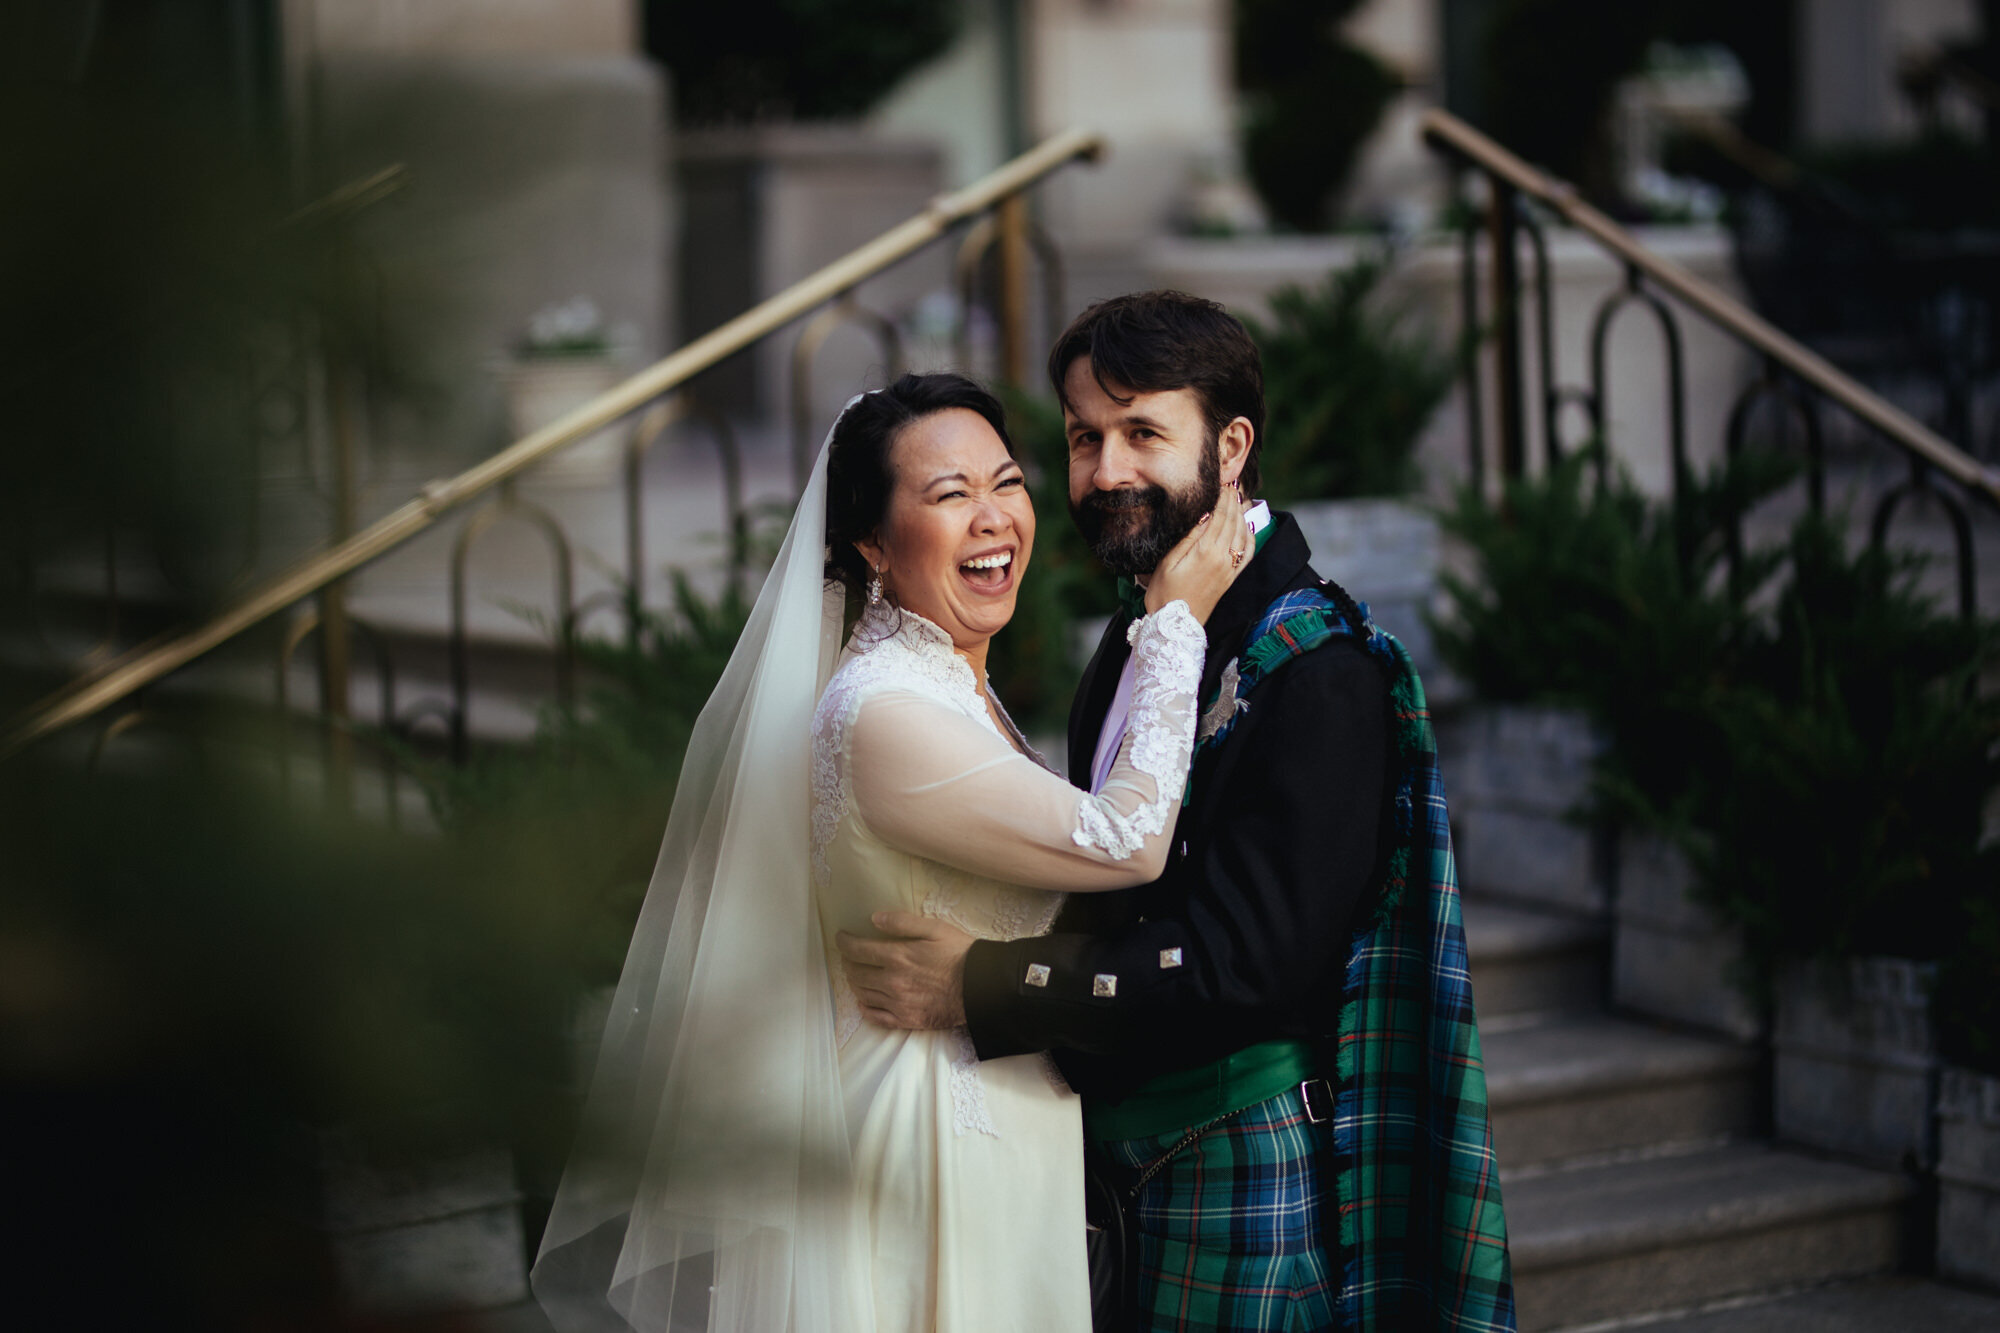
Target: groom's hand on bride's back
column 912, row 977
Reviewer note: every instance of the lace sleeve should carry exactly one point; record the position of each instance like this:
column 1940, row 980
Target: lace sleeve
column 940, row 785
column 1143, row 790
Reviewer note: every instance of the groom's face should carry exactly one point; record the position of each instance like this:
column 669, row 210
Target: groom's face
column 1142, row 471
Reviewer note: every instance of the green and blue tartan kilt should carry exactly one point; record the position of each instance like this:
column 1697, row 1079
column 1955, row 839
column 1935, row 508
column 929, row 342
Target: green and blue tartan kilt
column 1231, row 1234
column 1422, row 1234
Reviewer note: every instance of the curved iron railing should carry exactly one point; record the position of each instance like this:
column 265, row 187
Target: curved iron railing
column 1793, row 376
column 121, row 678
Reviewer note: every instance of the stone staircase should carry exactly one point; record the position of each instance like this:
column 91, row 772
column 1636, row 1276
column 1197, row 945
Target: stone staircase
column 1640, row 1184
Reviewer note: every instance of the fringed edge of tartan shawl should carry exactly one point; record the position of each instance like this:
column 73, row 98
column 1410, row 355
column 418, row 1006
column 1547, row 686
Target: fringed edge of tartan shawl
column 1409, row 733
column 1486, row 1258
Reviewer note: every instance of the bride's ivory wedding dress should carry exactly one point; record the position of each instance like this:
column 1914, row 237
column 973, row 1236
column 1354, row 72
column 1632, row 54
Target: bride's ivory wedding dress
column 968, row 1176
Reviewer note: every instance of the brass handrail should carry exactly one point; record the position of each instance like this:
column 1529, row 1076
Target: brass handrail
column 1450, row 134
column 147, row 663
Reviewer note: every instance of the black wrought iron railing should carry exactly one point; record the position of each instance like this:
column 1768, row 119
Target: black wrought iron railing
column 1794, row 378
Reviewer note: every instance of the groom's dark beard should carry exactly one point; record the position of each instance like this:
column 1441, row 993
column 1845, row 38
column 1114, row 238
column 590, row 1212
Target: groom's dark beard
column 1130, row 530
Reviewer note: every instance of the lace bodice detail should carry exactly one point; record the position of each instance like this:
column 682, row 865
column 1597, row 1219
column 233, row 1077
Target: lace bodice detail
column 1167, row 652
column 935, row 774
column 905, row 748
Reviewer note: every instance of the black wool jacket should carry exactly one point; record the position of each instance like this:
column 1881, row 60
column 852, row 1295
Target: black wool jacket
column 1246, row 935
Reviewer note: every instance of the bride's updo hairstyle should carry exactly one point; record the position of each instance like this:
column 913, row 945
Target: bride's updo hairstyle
column 859, row 478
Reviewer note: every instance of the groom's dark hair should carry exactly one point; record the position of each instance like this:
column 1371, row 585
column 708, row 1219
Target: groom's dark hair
column 1151, row 342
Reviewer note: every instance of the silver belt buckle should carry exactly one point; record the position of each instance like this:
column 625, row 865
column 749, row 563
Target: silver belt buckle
column 1317, row 1094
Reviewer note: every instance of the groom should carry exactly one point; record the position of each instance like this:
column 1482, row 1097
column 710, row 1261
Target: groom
column 1226, row 1000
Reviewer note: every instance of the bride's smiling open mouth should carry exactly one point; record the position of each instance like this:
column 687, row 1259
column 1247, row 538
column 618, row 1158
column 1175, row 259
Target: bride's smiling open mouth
column 990, row 571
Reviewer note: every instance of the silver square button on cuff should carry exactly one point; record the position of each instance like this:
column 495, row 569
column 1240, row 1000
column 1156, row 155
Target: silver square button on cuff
column 1038, row 974
column 1170, row 957
column 1104, row 985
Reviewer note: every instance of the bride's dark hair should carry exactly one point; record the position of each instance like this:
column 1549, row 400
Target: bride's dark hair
column 859, row 478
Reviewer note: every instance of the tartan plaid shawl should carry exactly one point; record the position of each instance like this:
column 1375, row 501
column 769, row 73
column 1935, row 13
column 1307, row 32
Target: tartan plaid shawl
column 1423, row 1239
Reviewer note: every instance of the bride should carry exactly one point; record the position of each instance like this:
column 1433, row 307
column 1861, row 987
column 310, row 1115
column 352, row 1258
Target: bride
column 753, row 1157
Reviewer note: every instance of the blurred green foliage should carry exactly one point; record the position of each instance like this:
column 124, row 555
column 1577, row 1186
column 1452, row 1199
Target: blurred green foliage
column 1348, row 389
column 155, row 278
column 579, row 811
column 199, row 980
column 761, row 60
column 165, row 914
column 1809, row 732
column 1310, row 99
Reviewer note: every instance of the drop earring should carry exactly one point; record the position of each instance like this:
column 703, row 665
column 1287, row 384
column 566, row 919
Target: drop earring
column 875, row 589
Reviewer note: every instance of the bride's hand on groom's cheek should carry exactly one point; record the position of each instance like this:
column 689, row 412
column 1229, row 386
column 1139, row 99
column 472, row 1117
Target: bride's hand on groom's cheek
column 1202, row 565
column 914, row 977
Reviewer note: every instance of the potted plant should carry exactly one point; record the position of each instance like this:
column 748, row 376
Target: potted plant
column 779, row 176
column 564, row 359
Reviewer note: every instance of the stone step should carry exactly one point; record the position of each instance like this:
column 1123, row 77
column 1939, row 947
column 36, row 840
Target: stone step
column 1525, row 960
column 1671, row 1232
column 1588, row 1084
column 1874, row 1305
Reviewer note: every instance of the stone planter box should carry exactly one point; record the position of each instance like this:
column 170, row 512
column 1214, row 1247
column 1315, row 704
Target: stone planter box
column 1671, row 957
column 1856, row 1066
column 1515, row 774
column 1385, row 553
column 539, row 390
column 433, row 1236
column 1968, row 1243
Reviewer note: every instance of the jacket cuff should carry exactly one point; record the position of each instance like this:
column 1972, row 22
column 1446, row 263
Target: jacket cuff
column 1037, row 994
column 992, row 999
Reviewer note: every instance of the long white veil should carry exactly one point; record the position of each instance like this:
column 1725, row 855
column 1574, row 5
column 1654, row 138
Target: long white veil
column 709, row 1184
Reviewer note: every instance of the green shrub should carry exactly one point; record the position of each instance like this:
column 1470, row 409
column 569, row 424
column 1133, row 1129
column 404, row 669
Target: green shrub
column 1808, row 732
column 1550, row 69
column 1581, row 598
column 1848, row 819
column 1310, row 101
column 1348, row 389
column 810, row 59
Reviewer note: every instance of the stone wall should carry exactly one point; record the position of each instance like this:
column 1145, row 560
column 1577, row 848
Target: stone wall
column 532, row 180
column 456, row 29
column 769, row 205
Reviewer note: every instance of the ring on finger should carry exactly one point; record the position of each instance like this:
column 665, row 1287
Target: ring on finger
column 1235, row 556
